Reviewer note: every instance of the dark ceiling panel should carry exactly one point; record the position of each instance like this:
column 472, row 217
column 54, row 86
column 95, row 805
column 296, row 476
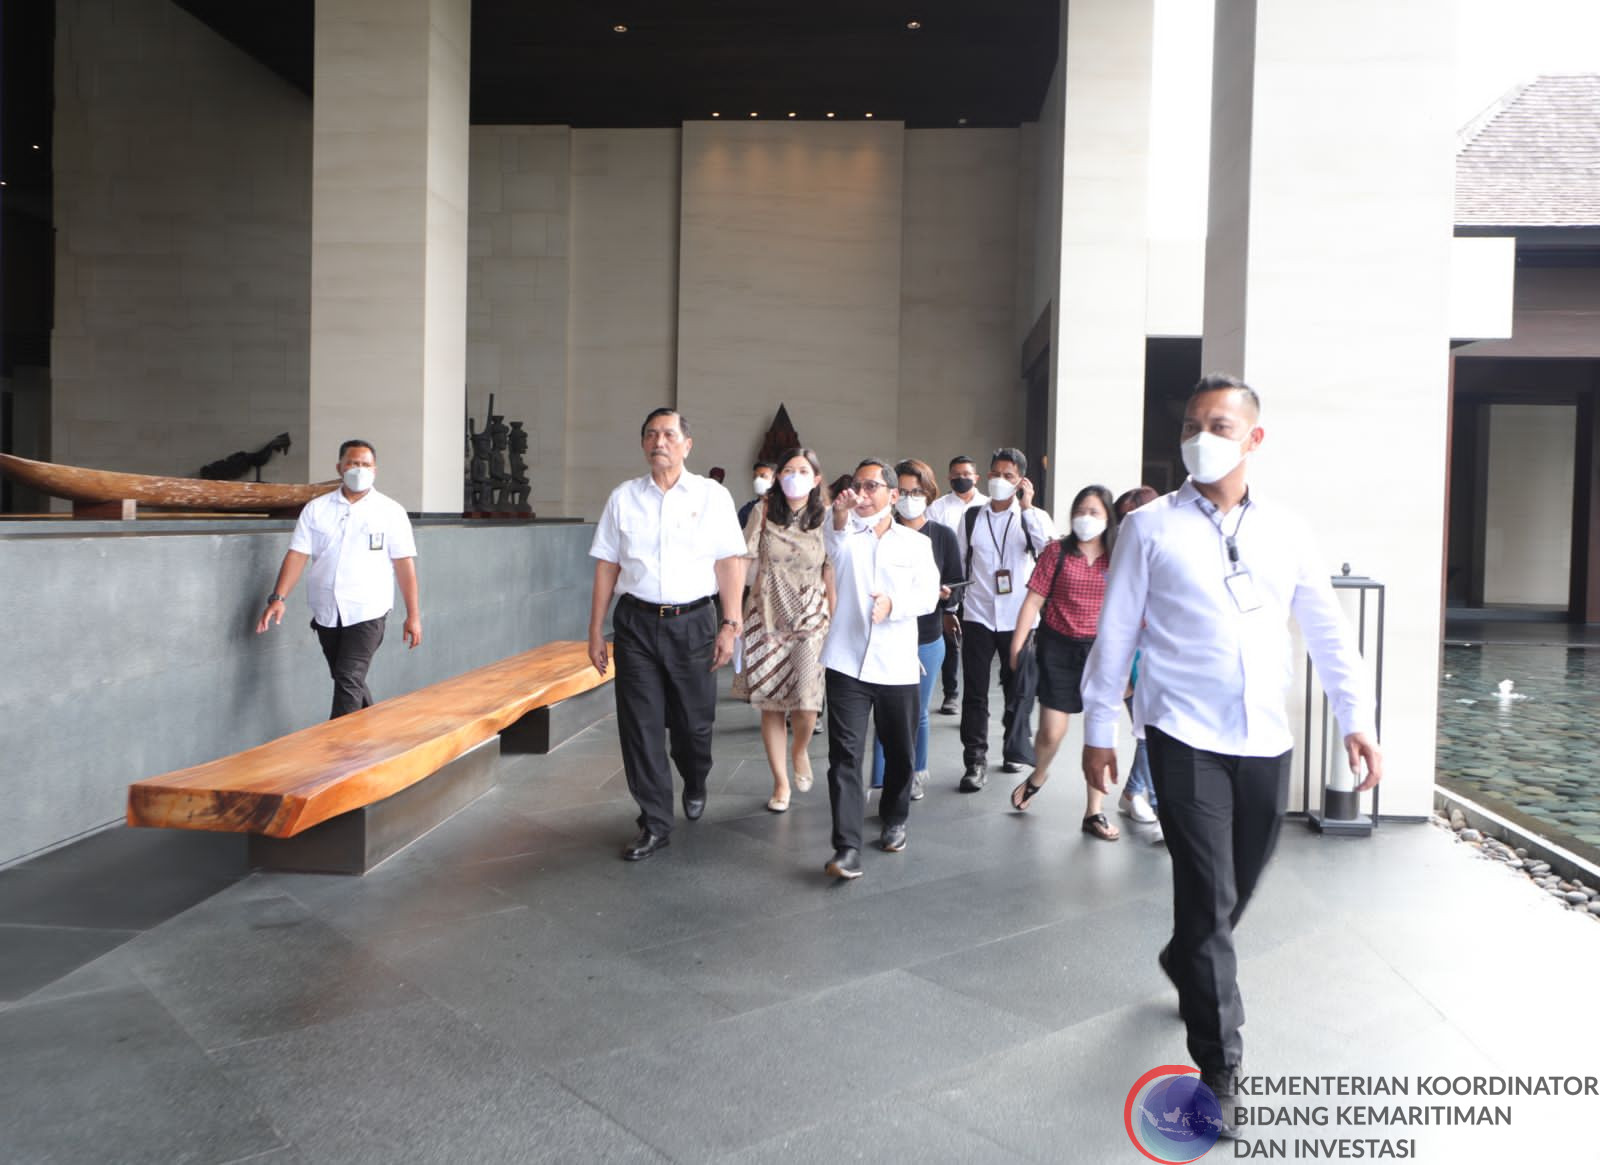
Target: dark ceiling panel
column 560, row 62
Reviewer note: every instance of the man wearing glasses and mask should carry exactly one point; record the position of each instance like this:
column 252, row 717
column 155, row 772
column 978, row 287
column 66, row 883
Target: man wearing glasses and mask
column 1203, row 584
column 886, row 577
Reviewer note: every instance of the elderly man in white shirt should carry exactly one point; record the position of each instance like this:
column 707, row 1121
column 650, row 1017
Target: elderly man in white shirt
column 1203, row 584
column 886, row 577
column 669, row 546
column 947, row 510
column 1000, row 543
column 359, row 544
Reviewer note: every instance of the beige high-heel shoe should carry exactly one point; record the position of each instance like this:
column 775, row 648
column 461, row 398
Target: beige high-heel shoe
column 802, row 780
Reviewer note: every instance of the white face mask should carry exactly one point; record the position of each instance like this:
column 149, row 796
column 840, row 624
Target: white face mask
column 1086, row 527
column 762, row 485
column 797, row 485
column 358, row 479
column 1210, row 458
column 870, row 522
column 910, row 508
column 1000, row 489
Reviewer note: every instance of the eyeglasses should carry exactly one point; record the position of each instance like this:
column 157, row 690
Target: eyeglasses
column 867, row 487
column 912, row 493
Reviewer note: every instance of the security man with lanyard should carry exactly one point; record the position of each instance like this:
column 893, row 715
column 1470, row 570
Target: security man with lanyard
column 669, row 546
column 1000, row 543
column 1203, row 583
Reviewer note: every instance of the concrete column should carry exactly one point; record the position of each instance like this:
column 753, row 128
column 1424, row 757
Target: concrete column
column 389, row 241
column 1096, row 419
column 1327, row 288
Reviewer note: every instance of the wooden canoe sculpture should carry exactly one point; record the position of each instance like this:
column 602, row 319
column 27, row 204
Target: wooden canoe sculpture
column 90, row 488
column 287, row 785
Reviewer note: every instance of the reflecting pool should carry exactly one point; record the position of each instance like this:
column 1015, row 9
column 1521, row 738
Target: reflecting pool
column 1534, row 749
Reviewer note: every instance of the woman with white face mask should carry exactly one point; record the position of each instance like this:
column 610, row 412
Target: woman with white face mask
column 1067, row 589
column 917, row 488
column 786, row 615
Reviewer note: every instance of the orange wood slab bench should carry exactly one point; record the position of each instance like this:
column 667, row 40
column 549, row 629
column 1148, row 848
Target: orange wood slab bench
column 289, row 785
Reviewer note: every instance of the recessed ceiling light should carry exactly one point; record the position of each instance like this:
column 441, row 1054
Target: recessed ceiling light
column 869, row 115
column 716, row 115
column 830, row 115
column 36, row 145
column 961, row 121
column 755, row 115
column 913, row 25
column 791, row 113
column 619, row 28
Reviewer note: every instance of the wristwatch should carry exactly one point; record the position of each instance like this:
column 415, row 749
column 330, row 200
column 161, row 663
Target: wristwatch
column 734, row 623
column 274, row 597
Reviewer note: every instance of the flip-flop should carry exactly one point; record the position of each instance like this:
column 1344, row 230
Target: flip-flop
column 1098, row 825
column 1029, row 791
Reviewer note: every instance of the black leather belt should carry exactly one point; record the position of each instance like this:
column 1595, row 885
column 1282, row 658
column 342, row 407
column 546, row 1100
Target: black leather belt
column 665, row 610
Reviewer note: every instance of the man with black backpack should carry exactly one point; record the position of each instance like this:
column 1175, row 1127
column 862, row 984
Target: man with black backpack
column 1000, row 543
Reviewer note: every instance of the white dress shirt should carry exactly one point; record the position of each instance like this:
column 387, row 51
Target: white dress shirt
column 900, row 565
column 947, row 510
column 1211, row 674
column 352, row 546
column 668, row 543
column 998, row 544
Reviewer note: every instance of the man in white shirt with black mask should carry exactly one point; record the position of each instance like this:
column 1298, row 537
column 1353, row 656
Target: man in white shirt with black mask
column 358, row 543
column 1203, row 583
column 886, row 577
column 999, row 543
column 947, row 511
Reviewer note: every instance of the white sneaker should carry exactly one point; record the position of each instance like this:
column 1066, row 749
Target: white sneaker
column 919, row 785
column 1137, row 807
column 1155, row 836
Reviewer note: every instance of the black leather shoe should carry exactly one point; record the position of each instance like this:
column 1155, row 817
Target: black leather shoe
column 975, row 778
column 1224, row 1086
column 893, row 839
column 845, row 863
column 644, row 845
column 694, row 806
column 1164, row 957
column 950, row 707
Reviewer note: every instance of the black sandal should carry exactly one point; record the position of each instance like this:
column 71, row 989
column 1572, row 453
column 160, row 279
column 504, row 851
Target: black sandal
column 1029, row 791
column 1098, row 825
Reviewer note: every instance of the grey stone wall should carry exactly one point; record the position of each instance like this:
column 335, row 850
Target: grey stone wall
column 124, row 654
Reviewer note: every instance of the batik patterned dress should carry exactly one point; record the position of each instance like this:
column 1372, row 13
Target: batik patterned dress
column 785, row 617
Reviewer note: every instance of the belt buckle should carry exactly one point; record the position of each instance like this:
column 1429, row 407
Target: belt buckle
column 664, row 609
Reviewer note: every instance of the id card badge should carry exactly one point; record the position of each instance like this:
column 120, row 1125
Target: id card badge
column 374, row 541
column 1002, row 582
column 1243, row 589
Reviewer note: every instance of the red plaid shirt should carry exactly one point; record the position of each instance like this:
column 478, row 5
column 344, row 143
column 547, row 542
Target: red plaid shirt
column 1073, row 609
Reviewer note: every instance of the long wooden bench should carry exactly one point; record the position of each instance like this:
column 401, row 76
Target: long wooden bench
column 347, row 793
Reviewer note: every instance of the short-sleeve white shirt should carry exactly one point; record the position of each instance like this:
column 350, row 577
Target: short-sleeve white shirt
column 668, row 543
column 352, row 546
column 948, row 509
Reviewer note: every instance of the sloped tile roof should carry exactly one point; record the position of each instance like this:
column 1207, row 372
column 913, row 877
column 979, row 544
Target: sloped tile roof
column 1533, row 158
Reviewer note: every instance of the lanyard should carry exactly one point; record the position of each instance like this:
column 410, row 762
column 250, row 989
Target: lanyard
column 1229, row 541
column 1000, row 542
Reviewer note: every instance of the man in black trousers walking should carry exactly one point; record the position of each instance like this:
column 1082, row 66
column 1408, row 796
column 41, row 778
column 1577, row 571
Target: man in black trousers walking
column 670, row 548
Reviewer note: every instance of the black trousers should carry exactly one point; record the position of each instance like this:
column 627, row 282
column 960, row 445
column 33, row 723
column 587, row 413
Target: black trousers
column 1221, row 816
column 665, row 690
column 349, row 651
column 951, row 667
column 979, row 647
column 893, row 708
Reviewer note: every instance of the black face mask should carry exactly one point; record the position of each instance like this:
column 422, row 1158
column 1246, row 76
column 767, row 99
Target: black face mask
column 962, row 484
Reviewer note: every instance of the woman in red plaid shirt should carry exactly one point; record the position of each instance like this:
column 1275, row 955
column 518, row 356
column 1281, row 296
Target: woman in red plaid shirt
column 1069, row 586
